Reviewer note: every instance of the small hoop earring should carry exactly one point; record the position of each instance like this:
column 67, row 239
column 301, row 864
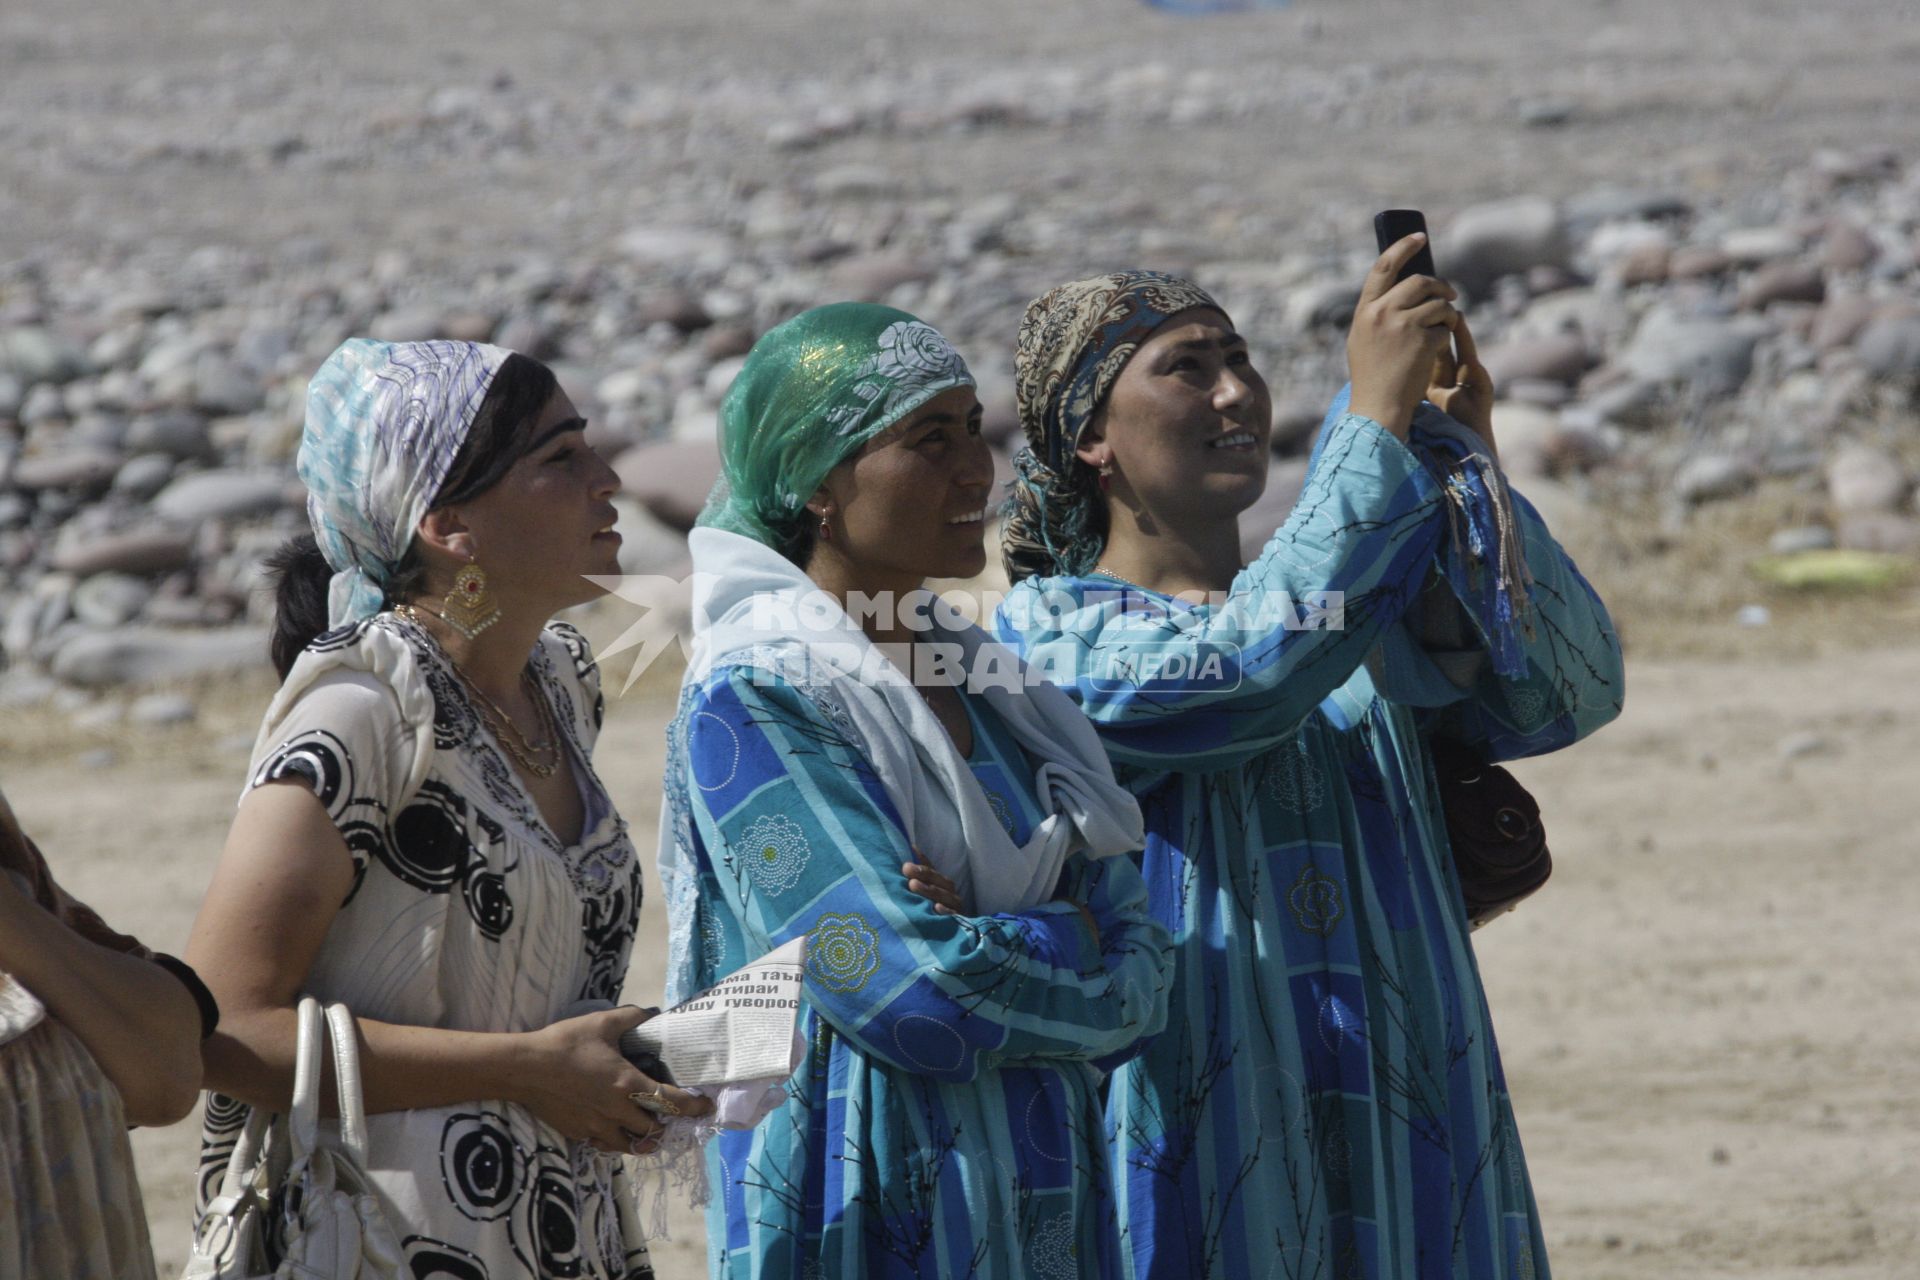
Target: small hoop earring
column 826, row 530
column 468, row 608
column 1106, row 476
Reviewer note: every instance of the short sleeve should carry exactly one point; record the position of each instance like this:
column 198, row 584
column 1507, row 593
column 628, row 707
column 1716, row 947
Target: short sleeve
column 344, row 739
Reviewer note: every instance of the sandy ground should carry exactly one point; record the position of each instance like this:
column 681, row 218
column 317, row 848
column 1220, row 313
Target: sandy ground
column 1701, row 1016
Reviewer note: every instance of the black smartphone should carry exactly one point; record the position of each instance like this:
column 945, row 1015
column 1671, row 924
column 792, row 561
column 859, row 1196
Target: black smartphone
column 1391, row 226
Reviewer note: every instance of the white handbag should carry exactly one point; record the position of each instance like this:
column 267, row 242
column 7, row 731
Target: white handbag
column 332, row 1223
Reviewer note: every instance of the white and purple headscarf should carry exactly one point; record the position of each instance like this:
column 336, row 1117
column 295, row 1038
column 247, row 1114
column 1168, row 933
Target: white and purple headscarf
column 384, row 422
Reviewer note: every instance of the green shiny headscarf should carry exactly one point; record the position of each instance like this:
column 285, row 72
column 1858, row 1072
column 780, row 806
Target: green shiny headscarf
column 814, row 390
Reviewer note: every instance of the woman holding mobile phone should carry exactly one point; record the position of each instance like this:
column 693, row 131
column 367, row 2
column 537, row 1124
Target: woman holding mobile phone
column 1327, row 1099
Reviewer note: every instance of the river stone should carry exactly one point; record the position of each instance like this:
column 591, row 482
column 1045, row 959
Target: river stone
column 13, row 394
column 1750, row 246
column 1782, row 282
column 44, row 403
column 719, row 379
column 1847, row 247
column 143, row 475
column 110, row 599
column 407, row 324
column 467, row 325
column 1558, row 358
column 1712, row 476
column 1840, row 321
column 1501, row 238
column 724, row 341
column 146, row 655
column 871, row 277
column 220, row 386
column 675, row 307
column 1541, row 392
column 157, row 710
column 1697, row 262
column 221, row 495
column 1889, row 346
column 15, row 510
column 670, row 478
column 33, row 354
column 1798, row 538
column 136, row 551
column 1863, row 478
column 86, row 470
column 1643, row 264
column 1712, row 355
column 673, row 246
column 623, row 387
column 1880, row 531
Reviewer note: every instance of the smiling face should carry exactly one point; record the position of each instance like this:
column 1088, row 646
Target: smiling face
column 1187, row 424
column 547, row 523
column 912, row 503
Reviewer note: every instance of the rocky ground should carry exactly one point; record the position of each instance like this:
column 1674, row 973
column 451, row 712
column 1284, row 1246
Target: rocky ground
column 1689, row 235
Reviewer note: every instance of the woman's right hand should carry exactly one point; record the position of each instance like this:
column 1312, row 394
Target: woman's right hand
column 1398, row 330
column 579, row 1084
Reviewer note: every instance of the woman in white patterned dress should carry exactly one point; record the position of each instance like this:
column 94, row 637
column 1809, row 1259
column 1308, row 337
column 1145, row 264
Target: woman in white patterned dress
column 422, row 835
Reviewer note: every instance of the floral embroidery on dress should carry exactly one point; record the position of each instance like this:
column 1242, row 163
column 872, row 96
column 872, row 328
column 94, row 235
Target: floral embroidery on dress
column 843, row 952
column 776, row 852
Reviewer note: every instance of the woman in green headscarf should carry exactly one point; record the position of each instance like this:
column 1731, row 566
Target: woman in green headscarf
column 947, row 845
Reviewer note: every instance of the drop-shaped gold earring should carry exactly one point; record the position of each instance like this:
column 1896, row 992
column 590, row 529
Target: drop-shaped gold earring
column 468, row 608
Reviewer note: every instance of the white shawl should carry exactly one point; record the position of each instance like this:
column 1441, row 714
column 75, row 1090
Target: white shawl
column 740, row 584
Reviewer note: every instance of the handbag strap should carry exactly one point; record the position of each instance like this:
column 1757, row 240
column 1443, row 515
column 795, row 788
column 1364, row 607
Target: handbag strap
column 303, row 1122
column 346, row 1074
column 303, row 1127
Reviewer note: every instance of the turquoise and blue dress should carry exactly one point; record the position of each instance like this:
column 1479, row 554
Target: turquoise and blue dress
column 1327, row 1099
column 947, row 1119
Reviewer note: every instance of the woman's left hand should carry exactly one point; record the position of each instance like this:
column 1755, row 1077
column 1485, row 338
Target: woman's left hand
column 934, row 887
column 1461, row 387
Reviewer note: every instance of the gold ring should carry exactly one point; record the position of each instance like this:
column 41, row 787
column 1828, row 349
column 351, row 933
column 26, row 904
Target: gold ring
column 657, row 1102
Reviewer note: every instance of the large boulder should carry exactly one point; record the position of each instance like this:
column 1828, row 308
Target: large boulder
column 1501, row 238
column 1863, row 479
column 146, row 655
column 670, row 478
column 1712, row 356
column 226, row 495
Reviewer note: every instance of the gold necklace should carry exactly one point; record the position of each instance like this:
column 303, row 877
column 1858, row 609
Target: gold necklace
column 524, row 751
column 1105, row 572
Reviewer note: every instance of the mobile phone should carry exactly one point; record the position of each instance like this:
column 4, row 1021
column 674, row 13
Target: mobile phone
column 645, row 1060
column 1393, row 225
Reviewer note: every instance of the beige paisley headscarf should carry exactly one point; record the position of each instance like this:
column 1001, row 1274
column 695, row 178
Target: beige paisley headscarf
column 1075, row 340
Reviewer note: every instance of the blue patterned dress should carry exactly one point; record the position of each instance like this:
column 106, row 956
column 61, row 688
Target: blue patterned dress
column 947, row 1119
column 1327, row 1100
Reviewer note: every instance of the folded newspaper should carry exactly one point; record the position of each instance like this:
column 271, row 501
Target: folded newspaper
column 737, row 1041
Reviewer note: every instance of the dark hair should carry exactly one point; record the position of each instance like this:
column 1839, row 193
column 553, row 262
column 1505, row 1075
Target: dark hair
column 500, row 436
column 1052, row 522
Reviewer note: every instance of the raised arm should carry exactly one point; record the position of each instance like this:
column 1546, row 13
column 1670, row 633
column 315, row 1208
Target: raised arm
column 1575, row 679
column 802, row 839
column 1199, row 688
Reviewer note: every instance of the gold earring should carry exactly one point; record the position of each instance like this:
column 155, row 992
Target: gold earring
column 468, row 609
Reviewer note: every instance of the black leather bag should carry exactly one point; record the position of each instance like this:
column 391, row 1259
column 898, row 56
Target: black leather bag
column 1499, row 845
